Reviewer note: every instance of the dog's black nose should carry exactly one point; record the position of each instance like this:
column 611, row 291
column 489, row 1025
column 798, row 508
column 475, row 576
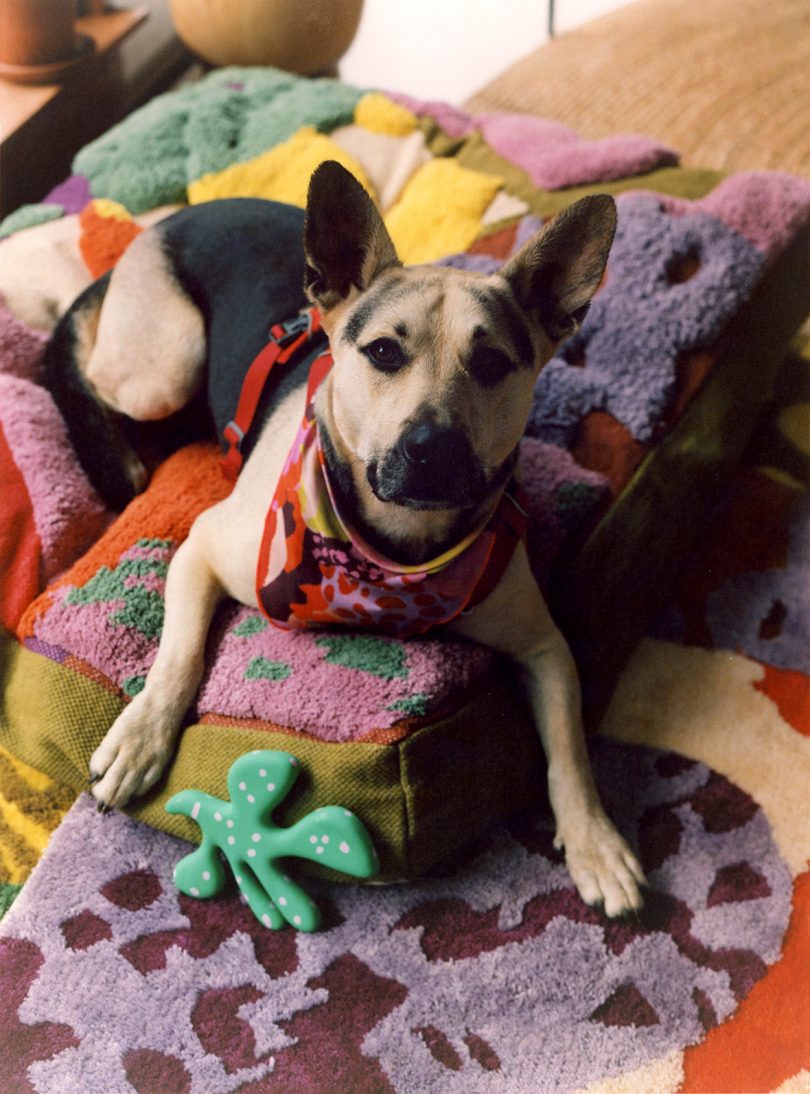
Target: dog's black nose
column 427, row 443
column 419, row 441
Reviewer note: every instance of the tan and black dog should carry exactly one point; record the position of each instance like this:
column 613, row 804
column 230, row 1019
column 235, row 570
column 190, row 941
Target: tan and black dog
column 419, row 421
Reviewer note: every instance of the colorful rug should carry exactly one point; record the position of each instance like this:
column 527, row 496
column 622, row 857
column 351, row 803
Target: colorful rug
column 496, row 978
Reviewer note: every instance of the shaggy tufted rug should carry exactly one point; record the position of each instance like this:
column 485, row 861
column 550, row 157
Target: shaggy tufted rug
column 496, row 978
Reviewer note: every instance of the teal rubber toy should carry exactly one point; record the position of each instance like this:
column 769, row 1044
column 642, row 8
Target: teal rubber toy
column 243, row 833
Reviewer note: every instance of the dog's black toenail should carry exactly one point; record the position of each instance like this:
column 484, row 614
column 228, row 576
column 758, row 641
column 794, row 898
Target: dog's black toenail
column 630, row 918
column 92, row 779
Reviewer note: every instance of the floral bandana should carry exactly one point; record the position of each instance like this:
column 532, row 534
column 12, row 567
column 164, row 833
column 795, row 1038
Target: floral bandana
column 315, row 569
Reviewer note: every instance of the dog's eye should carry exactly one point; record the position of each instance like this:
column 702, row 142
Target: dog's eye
column 385, row 354
column 489, row 365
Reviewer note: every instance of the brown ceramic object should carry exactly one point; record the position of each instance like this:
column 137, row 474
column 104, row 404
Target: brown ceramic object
column 38, row 41
column 303, row 36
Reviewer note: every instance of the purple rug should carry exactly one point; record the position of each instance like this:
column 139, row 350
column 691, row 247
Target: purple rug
column 496, row 978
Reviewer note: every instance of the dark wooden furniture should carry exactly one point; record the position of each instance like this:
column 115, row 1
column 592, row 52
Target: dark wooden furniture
column 137, row 55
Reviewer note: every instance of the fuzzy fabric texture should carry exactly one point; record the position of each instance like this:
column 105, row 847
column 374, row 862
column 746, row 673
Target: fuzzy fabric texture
column 280, row 174
column 67, row 512
column 29, row 216
column 496, row 979
column 21, row 347
column 673, row 283
column 232, row 116
column 554, row 157
column 49, row 513
column 72, row 195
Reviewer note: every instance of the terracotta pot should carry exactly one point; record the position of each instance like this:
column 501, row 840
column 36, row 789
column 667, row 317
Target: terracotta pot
column 303, row 36
column 38, row 42
column 37, row 32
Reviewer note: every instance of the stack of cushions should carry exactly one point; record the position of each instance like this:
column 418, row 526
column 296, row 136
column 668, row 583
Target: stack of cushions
column 428, row 741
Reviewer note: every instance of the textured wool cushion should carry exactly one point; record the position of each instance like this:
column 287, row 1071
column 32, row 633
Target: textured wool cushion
column 428, row 741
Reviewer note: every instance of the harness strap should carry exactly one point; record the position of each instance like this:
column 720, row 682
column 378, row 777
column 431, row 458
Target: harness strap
column 286, row 339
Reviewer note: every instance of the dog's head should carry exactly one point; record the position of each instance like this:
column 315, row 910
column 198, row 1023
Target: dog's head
column 435, row 367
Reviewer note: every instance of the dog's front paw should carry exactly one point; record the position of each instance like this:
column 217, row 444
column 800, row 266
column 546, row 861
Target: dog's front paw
column 605, row 871
column 132, row 756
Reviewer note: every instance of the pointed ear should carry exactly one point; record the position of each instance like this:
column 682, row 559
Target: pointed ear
column 345, row 241
column 555, row 274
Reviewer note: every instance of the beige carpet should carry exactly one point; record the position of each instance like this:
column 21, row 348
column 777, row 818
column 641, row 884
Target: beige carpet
column 725, row 82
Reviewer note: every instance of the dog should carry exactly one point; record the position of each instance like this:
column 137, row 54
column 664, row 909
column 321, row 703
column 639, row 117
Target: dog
column 414, row 427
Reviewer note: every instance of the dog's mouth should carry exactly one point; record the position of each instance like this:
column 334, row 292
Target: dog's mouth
column 409, row 501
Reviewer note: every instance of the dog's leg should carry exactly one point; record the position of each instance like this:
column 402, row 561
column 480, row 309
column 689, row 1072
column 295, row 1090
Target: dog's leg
column 149, row 353
column 96, row 432
column 133, row 754
column 217, row 559
column 516, row 621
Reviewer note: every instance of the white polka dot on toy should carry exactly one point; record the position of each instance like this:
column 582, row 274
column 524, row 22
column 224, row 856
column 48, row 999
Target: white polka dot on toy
column 243, row 786
column 231, row 840
column 344, row 847
column 195, row 812
column 282, row 901
column 251, row 799
column 297, row 920
column 251, row 852
column 319, row 850
column 324, row 839
column 256, row 837
column 217, row 816
column 271, row 787
column 195, row 892
column 229, row 823
column 262, row 773
column 266, row 919
column 313, row 839
column 206, row 875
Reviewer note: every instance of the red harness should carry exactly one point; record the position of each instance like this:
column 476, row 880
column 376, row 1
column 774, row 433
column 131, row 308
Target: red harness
column 286, row 339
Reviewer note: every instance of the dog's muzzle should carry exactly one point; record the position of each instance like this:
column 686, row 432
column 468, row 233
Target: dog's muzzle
column 430, row 467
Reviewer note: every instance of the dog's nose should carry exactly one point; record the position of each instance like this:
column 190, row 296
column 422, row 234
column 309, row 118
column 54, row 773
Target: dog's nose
column 417, row 444
column 426, row 443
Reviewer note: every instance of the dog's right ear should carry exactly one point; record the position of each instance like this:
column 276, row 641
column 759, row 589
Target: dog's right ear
column 345, row 241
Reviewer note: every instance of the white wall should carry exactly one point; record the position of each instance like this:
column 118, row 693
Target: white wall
column 573, row 13
column 447, row 49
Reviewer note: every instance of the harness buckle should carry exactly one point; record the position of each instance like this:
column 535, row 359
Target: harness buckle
column 288, row 331
column 233, row 433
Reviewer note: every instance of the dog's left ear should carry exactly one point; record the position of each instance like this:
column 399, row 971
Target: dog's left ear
column 555, row 274
column 345, row 241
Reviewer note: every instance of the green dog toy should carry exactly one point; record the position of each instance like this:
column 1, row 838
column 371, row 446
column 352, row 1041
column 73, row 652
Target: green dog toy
column 243, row 832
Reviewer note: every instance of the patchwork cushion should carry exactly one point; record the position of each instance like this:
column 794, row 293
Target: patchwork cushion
column 428, row 740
